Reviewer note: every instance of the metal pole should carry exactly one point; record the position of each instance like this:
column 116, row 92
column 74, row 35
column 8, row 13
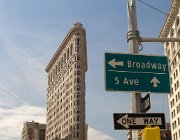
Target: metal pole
column 133, row 36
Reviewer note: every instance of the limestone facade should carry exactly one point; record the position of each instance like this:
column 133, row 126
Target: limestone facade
column 171, row 29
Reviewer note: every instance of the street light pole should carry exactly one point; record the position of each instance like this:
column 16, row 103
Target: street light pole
column 132, row 38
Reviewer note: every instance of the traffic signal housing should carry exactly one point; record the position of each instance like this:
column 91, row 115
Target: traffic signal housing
column 150, row 133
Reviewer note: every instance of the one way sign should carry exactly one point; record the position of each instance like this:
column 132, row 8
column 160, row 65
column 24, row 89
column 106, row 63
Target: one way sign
column 138, row 121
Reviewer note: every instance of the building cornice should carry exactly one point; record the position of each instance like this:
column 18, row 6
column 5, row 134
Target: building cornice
column 76, row 26
column 170, row 18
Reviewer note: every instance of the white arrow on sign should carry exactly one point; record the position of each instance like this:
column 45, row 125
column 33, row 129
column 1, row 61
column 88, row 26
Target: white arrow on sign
column 113, row 63
column 155, row 81
column 131, row 121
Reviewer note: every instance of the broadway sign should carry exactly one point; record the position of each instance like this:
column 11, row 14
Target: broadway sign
column 140, row 73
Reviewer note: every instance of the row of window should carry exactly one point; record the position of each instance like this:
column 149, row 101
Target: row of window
column 64, row 87
column 175, row 76
column 64, row 58
column 175, row 125
column 58, row 137
column 173, row 113
column 63, row 122
column 66, row 99
column 65, row 106
column 174, row 62
column 75, row 89
column 177, row 111
column 60, row 78
column 176, row 85
column 173, row 101
column 68, row 89
column 75, row 67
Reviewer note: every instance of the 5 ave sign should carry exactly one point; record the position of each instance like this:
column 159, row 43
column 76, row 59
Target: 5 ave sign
column 141, row 73
column 138, row 121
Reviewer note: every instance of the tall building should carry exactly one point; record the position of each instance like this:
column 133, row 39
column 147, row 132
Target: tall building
column 66, row 88
column 33, row 131
column 171, row 29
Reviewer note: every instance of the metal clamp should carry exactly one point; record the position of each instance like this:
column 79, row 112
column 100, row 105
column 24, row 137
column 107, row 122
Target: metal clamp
column 134, row 34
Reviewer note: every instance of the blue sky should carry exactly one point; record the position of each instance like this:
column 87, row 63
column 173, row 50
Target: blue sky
column 31, row 32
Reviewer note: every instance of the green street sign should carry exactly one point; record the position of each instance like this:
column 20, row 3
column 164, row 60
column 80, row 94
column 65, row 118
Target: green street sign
column 140, row 73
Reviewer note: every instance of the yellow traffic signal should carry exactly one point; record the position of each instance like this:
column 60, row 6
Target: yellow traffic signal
column 151, row 133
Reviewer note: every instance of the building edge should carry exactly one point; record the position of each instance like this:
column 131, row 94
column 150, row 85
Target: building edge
column 76, row 26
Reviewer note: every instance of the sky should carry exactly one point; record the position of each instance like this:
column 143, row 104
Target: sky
column 31, row 32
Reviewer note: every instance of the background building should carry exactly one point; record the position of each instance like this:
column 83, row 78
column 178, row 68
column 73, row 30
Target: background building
column 33, row 131
column 171, row 29
column 166, row 134
column 66, row 88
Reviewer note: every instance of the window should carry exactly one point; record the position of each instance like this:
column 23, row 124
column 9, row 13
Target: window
column 68, row 53
column 177, row 84
column 77, row 41
column 56, row 69
column 65, row 58
column 78, row 88
column 78, row 49
column 78, row 65
column 177, row 21
column 77, row 134
column 172, row 32
column 78, row 80
column 59, row 66
column 77, row 127
column 78, row 118
column 78, row 73
column 61, row 62
column 78, row 57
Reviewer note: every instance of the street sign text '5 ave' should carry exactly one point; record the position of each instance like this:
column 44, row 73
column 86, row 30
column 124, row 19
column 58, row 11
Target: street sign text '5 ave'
column 138, row 121
column 141, row 73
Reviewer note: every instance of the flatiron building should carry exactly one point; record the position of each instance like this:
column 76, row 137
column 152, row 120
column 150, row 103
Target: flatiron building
column 65, row 119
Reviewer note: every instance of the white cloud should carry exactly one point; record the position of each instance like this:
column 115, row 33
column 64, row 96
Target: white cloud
column 12, row 119
column 94, row 134
column 14, row 112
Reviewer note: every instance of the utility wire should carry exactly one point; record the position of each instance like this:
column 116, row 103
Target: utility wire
column 152, row 7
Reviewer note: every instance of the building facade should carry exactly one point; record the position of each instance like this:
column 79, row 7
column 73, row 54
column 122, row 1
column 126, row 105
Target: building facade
column 65, row 119
column 171, row 29
column 166, row 134
column 33, row 131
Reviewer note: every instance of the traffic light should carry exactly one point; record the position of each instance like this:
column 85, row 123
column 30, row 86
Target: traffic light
column 151, row 133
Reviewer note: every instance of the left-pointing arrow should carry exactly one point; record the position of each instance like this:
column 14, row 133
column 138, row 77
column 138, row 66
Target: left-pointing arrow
column 113, row 63
column 121, row 121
